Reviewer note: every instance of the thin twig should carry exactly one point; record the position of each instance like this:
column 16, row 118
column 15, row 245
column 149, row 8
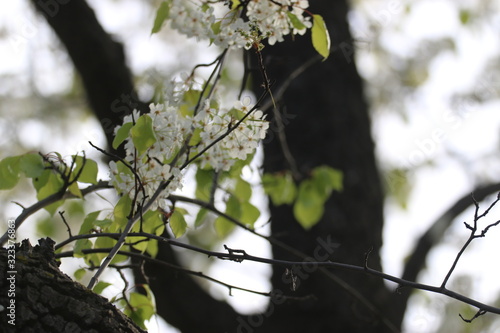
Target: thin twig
column 473, row 229
column 65, row 223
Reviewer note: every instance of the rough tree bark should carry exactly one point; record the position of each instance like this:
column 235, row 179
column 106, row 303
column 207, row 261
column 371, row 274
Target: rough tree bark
column 46, row 300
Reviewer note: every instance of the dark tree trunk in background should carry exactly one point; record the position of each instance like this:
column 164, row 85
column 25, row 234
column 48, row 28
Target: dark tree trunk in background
column 327, row 123
column 98, row 58
column 48, row 301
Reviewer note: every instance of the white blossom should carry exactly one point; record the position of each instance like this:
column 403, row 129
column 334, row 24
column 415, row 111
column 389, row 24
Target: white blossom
column 220, row 144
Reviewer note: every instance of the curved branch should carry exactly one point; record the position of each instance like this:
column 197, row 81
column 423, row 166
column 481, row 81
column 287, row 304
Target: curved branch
column 433, row 235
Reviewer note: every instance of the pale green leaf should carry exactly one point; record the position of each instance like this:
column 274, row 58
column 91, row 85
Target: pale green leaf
column 81, row 244
column 204, row 181
column 280, row 187
column 177, row 223
column 142, row 308
column 200, row 217
column 398, row 186
column 161, row 16
column 79, row 273
column 100, row 286
column 223, row 226
column 249, row 214
column 297, row 24
column 122, row 211
column 122, row 134
column 320, row 36
column 327, row 179
column 142, row 133
column 235, row 4
column 88, row 223
column 9, row 172
column 233, row 207
column 151, row 220
column 152, row 248
column 243, row 190
column 309, row 206
column 31, row 165
column 75, row 190
column 50, row 183
column 87, row 169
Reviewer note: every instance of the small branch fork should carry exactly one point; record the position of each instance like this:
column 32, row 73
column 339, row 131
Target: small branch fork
column 473, row 235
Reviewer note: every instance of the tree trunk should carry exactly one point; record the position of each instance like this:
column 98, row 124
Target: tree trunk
column 37, row 297
column 327, row 123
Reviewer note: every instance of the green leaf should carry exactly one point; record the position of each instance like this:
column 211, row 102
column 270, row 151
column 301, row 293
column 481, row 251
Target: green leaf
column 309, row 206
column 200, row 217
column 190, row 100
column 216, row 27
column 31, row 165
column 81, row 244
column 151, row 220
column 161, row 16
column 142, row 308
column 280, row 187
column 47, row 184
column 122, row 211
column 243, row 190
column 152, row 248
column 235, row 4
column 398, row 186
column 204, row 180
column 465, row 16
column 195, row 137
column 103, row 243
column 100, row 286
column 122, row 134
column 320, row 36
column 142, row 133
column 9, row 172
column 297, row 24
column 48, row 227
column 233, row 207
column 140, row 243
column 177, row 223
column 79, row 273
column 103, row 224
column 249, row 214
column 326, row 179
column 75, row 190
column 223, row 226
column 87, row 169
column 88, row 223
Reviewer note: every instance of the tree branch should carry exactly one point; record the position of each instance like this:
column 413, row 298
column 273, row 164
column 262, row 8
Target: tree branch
column 239, row 256
column 431, row 237
column 27, row 212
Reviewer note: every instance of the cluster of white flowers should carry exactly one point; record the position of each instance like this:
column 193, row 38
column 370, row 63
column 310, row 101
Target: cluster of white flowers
column 237, row 144
column 181, row 137
column 267, row 19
